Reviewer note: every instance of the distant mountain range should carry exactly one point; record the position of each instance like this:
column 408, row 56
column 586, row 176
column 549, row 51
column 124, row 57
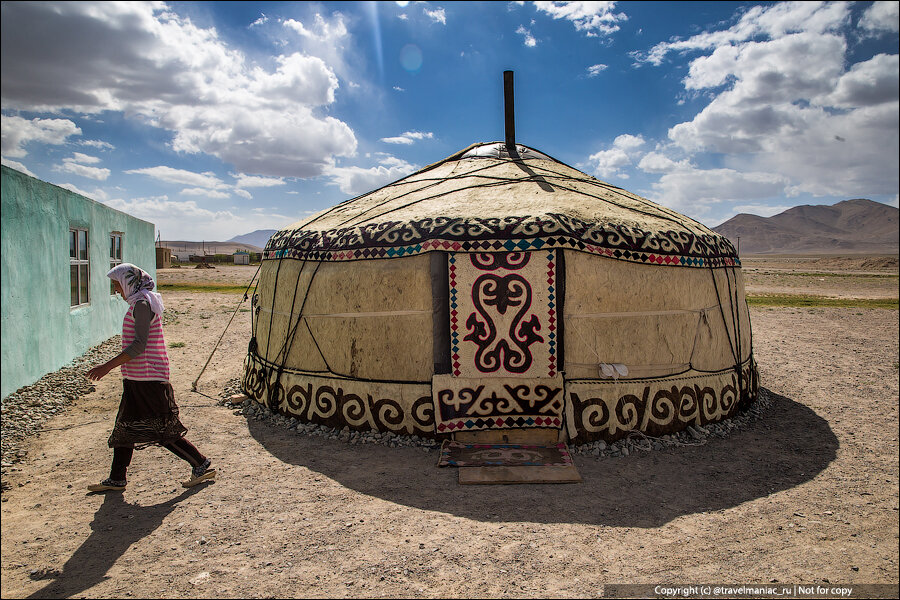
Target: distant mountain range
column 255, row 238
column 853, row 227
column 251, row 242
column 856, row 226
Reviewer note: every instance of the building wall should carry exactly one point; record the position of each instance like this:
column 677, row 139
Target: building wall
column 41, row 332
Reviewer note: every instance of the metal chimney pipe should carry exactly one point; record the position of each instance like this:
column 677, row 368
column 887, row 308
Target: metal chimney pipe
column 510, row 114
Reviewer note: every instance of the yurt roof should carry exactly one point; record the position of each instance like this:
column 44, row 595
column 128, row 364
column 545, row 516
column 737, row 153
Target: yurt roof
column 482, row 200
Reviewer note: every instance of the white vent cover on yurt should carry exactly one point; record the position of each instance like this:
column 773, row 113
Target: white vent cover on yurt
column 501, row 290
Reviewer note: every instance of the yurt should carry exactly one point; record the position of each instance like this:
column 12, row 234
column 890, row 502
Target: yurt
column 499, row 291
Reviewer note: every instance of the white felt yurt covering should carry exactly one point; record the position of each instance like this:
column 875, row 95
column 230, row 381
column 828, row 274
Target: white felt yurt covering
column 486, row 292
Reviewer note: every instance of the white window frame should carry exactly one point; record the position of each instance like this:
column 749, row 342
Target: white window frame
column 78, row 262
column 114, row 258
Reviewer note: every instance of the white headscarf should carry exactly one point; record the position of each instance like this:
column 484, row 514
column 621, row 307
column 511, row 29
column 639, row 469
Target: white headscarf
column 137, row 285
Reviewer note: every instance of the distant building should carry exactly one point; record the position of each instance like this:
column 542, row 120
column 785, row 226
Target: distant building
column 242, row 257
column 56, row 299
column 163, row 258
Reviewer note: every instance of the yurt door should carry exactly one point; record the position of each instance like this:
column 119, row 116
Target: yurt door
column 503, row 348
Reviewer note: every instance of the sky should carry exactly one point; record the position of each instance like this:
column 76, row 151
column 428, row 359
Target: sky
column 213, row 119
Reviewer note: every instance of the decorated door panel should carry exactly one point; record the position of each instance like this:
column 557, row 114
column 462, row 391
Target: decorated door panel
column 503, row 343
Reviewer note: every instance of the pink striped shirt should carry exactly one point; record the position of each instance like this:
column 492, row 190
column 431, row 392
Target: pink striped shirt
column 153, row 363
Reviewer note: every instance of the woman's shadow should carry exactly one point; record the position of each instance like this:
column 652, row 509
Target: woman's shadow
column 116, row 526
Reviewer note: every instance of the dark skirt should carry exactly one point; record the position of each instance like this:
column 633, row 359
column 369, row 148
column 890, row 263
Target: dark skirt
column 147, row 415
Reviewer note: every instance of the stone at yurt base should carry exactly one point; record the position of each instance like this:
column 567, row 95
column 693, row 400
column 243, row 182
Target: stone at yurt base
column 488, row 293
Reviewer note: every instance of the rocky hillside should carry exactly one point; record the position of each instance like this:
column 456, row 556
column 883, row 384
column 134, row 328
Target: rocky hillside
column 850, row 227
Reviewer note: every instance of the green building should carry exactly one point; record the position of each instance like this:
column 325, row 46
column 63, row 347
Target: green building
column 56, row 299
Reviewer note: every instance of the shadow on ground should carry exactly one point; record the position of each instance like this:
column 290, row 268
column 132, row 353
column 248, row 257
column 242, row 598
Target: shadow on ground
column 116, row 526
column 788, row 446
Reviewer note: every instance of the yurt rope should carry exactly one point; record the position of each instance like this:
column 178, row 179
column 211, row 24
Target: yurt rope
column 242, row 300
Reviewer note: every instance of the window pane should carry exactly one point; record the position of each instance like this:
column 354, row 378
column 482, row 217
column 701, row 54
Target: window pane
column 72, row 242
column 119, row 247
column 112, row 288
column 73, row 281
column 83, row 283
column 112, row 246
column 82, row 244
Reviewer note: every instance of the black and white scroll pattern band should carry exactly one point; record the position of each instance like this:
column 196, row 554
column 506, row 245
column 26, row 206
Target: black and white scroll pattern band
column 400, row 408
column 393, row 239
column 610, row 411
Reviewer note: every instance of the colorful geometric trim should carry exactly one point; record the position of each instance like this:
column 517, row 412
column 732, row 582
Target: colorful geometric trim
column 551, row 311
column 395, row 239
column 454, row 316
column 473, row 424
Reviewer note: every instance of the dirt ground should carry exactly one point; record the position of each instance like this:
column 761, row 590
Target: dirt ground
column 807, row 494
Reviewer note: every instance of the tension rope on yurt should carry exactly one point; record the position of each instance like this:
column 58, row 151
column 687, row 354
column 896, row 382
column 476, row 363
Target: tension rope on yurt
column 243, row 299
column 499, row 289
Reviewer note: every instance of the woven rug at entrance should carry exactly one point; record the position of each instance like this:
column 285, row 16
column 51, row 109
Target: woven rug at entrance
column 458, row 454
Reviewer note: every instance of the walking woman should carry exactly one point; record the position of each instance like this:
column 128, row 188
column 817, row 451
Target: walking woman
column 147, row 413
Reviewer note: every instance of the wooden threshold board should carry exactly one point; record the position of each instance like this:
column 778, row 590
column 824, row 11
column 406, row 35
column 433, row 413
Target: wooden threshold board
column 510, row 475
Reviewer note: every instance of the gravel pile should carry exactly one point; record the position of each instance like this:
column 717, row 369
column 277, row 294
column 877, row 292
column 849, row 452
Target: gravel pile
column 25, row 410
column 694, row 435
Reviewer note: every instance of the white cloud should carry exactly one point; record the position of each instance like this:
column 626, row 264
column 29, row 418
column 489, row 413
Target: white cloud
column 97, row 194
column 403, row 17
column 244, row 194
column 881, row 16
column 14, row 164
column 655, row 162
column 774, row 21
column 16, row 132
column 206, row 193
column 703, row 193
column 322, row 30
column 99, row 144
column 529, row 39
column 262, row 20
column 75, row 165
column 399, row 89
column 595, row 70
column 437, row 15
column 172, row 74
column 408, row 137
column 867, row 83
column 170, row 175
column 401, row 4
column 357, row 180
column 622, row 153
column 84, row 159
column 594, row 18
column 785, row 102
column 249, row 181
